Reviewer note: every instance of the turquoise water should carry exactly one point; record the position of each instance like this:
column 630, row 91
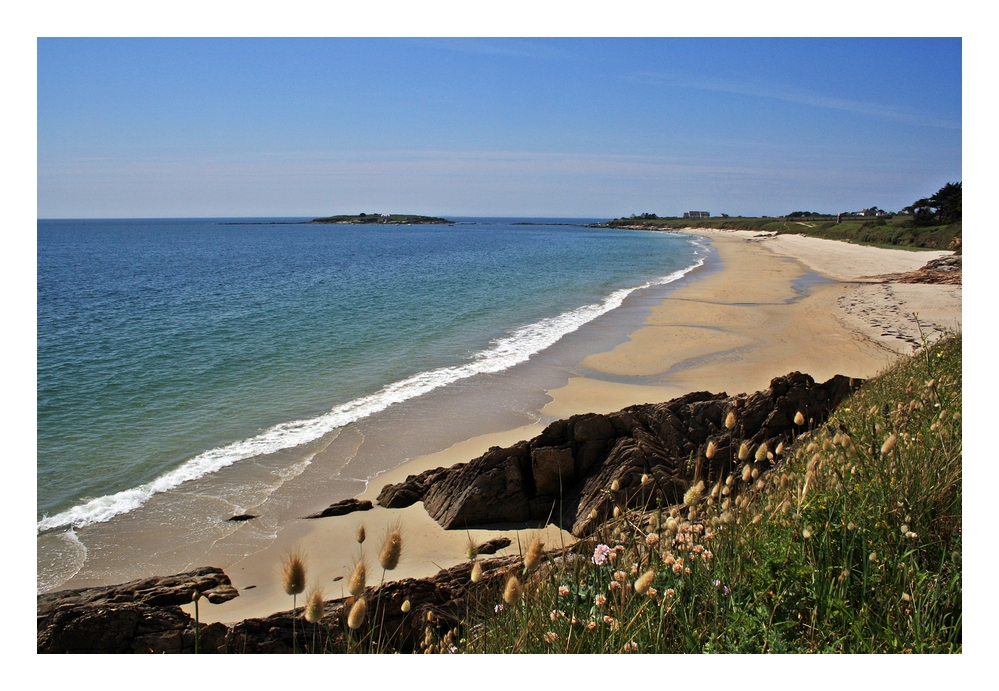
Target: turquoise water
column 170, row 349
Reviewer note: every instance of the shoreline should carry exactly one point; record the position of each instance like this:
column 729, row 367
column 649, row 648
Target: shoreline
column 729, row 330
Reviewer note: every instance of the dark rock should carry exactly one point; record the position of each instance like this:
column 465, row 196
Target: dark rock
column 142, row 616
column 494, row 545
column 342, row 508
column 242, row 517
column 563, row 474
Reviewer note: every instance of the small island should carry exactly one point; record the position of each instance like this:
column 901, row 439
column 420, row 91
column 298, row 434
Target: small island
column 395, row 219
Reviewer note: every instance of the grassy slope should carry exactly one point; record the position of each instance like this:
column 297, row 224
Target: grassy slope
column 894, row 232
column 845, row 546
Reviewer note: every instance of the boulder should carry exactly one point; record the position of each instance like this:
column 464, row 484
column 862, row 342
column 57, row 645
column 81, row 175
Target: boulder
column 342, row 508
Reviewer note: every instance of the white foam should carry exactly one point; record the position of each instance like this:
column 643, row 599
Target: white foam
column 502, row 353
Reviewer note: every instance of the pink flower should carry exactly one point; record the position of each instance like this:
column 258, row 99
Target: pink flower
column 614, row 585
column 631, row 647
column 669, row 592
column 652, row 539
column 600, row 600
column 551, row 637
column 600, row 555
column 563, row 590
column 620, row 576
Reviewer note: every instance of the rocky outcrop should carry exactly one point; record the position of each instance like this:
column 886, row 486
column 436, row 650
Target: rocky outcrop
column 342, row 508
column 943, row 271
column 142, row 616
column 564, row 474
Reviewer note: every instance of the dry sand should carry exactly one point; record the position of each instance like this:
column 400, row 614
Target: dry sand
column 733, row 330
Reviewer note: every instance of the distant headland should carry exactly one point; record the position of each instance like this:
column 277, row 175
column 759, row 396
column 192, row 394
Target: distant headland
column 396, row 219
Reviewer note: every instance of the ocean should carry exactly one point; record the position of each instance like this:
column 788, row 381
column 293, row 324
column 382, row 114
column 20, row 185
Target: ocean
column 192, row 369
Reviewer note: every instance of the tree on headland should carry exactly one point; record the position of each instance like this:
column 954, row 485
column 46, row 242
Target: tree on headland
column 943, row 207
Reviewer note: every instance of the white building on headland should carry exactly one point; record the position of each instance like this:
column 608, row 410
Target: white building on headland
column 697, row 214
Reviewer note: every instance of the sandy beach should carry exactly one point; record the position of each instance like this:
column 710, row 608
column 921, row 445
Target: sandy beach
column 778, row 304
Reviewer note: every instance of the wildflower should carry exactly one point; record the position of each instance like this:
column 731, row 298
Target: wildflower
column 620, row 576
column 600, row 555
column 357, row 579
column 669, row 593
column 717, row 583
column 391, row 550
column 851, row 526
column 634, row 569
column 644, row 581
column 652, row 539
column 611, row 622
column 906, row 597
column 614, row 586
column 730, row 420
column 911, row 535
column 631, row 647
column 600, row 600
column 799, row 419
column 563, row 591
column 806, row 533
column 707, row 556
column 533, row 555
column 686, row 570
column 725, row 590
column 677, row 567
column 873, row 557
column 556, row 614
column 512, row 593
column 905, row 529
column 498, row 609
column 693, row 495
column 591, row 625
column 671, row 525
column 888, row 445
column 761, row 453
column 356, row 617
column 293, row 575
column 452, row 650
column 314, row 606
column 551, row 637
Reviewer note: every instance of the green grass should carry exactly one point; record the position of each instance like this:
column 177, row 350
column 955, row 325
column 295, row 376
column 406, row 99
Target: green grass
column 840, row 547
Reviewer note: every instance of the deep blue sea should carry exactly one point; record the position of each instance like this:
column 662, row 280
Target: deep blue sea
column 171, row 349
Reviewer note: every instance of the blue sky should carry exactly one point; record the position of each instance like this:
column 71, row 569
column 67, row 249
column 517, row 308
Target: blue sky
column 537, row 127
